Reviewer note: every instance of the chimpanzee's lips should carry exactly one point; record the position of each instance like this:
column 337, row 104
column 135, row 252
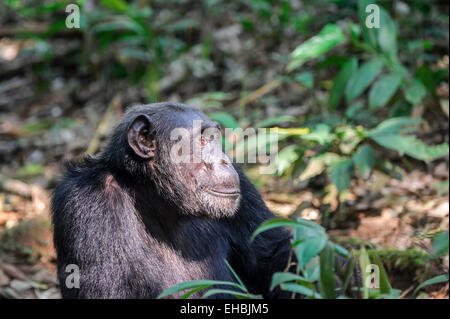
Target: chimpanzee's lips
column 230, row 192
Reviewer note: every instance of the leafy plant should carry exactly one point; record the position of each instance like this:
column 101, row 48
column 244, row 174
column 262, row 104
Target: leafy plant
column 239, row 291
column 381, row 74
column 439, row 248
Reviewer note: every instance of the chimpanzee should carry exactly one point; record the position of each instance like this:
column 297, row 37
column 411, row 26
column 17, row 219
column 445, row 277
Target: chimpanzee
column 136, row 222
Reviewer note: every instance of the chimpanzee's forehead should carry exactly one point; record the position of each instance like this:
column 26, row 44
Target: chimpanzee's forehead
column 171, row 115
column 177, row 115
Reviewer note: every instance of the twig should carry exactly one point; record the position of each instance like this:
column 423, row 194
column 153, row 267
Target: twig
column 263, row 90
column 103, row 125
column 403, row 295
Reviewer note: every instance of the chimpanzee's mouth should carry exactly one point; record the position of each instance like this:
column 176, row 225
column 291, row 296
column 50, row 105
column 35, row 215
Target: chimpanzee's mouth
column 234, row 192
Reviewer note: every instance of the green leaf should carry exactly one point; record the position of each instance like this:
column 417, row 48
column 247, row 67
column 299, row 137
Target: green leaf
column 364, row 160
column 349, row 268
column 326, row 281
column 439, row 247
column 193, row 291
column 236, row 294
column 301, row 290
column 394, row 126
column 385, row 286
column 31, row 169
column 312, row 269
column 310, row 248
column 225, row 119
column 286, row 158
column 305, row 78
column 118, row 5
column 282, row 222
column 341, row 174
column 355, row 32
column 387, row 35
column 435, row 280
column 330, row 36
column 337, row 91
column 282, row 277
column 410, row 145
column 341, row 250
column 195, row 284
column 383, row 89
column 364, row 261
column 382, row 39
column 321, row 134
column 310, row 238
column 120, row 24
column 242, row 286
column 362, row 78
column 415, row 92
column 317, row 164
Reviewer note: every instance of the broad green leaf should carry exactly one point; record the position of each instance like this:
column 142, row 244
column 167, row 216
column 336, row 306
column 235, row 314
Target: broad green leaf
column 362, row 78
column 387, row 35
column 341, row 174
column 395, row 126
column 337, row 91
column 364, row 160
column 282, row 277
column 286, row 158
column 309, row 241
column 383, row 89
column 316, row 165
column 369, row 34
column 382, row 39
column 225, row 119
column 415, row 92
column 440, row 245
column 321, row 134
column 282, row 222
column 329, row 36
column 310, row 248
column 326, row 282
column 435, row 280
column 312, row 270
column 301, row 290
column 410, row 145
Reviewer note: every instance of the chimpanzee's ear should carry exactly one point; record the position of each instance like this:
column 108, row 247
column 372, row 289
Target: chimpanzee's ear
column 140, row 138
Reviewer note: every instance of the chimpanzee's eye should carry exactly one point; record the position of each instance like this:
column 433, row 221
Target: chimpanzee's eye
column 203, row 141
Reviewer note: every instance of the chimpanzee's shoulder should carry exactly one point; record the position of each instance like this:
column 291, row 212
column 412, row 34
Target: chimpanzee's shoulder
column 79, row 175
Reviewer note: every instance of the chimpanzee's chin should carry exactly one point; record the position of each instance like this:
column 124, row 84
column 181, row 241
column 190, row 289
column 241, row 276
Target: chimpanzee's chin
column 220, row 206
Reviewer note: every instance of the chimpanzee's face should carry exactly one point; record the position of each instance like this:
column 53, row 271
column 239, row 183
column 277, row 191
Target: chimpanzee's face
column 191, row 163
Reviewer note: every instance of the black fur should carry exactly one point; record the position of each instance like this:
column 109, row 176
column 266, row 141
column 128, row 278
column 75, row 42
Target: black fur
column 121, row 221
